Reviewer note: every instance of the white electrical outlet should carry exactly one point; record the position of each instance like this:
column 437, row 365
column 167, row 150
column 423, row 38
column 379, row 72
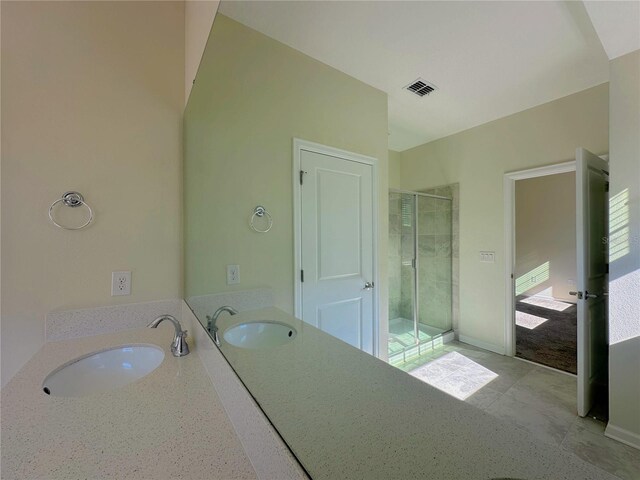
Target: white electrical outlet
column 233, row 274
column 120, row 283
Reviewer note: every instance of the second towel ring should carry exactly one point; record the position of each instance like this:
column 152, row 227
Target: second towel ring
column 260, row 212
column 73, row 200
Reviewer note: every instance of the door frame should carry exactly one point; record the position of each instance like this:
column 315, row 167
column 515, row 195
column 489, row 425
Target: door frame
column 299, row 146
column 510, row 241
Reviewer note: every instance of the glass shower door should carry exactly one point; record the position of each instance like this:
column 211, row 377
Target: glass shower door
column 420, row 271
column 402, row 291
column 434, row 265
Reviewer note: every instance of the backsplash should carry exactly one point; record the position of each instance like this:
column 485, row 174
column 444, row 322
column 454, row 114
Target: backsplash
column 241, row 300
column 84, row 322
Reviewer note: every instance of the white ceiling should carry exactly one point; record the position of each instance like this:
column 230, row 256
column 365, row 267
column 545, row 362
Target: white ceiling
column 488, row 59
column 617, row 24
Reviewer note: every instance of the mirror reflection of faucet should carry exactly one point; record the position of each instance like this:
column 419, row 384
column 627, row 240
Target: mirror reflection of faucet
column 211, row 321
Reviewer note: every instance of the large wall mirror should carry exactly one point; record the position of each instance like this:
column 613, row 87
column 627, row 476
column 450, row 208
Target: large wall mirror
column 252, row 97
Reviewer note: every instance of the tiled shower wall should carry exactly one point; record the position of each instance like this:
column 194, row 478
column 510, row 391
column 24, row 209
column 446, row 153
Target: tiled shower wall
column 438, row 242
column 407, row 254
column 395, row 251
column 401, row 247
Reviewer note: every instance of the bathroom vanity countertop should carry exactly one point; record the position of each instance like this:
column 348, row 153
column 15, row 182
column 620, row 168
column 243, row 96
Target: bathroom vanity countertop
column 348, row 415
column 168, row 424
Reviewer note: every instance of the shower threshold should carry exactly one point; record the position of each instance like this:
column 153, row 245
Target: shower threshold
column 403, row 344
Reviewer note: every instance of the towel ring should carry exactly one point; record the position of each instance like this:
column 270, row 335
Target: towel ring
column 73, row 200
column 260, row 212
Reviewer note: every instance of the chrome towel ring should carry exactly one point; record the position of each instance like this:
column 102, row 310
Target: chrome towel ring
column 73, row 200
column 260, row 212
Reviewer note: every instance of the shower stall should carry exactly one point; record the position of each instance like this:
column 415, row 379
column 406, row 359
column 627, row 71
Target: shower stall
column 420, row 280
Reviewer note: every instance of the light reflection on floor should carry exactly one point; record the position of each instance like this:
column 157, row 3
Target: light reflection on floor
column 455, row 374
column 549, row 303
column 538, row 400
column 529, row 321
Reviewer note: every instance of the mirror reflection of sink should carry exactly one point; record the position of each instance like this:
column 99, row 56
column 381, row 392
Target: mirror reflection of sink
column 259, row 334
column 102, row 371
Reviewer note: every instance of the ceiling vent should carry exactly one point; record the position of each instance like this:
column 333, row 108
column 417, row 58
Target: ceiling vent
column 421, row 87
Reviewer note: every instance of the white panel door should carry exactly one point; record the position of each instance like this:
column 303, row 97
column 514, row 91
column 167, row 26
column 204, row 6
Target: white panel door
column 337, row 247
column 592, row 174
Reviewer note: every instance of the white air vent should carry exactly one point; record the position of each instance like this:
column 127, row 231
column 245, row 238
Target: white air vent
column 421, row 87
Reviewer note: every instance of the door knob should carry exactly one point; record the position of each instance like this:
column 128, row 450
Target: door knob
column 576, row 294
column 368, row 286
column 590, row 295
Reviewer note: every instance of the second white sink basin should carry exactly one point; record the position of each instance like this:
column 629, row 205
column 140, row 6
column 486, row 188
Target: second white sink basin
column 259, row 334
column 102, row 371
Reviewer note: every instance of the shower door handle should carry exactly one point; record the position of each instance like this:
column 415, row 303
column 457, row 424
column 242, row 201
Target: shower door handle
column 368, row 286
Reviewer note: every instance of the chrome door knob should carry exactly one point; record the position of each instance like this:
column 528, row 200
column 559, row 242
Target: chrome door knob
column 368, row 286
column 590, row 295
column 576, row 294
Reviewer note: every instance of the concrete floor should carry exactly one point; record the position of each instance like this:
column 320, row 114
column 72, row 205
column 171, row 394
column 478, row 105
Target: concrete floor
column 537, row 399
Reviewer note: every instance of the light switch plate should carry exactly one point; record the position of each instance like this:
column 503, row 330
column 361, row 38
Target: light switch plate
column 488, row 257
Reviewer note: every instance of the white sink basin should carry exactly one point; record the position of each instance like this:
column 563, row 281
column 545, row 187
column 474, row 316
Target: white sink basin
column 101, row 371
column 259, row 334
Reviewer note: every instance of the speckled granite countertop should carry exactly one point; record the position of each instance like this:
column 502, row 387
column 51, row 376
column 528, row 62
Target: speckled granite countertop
column 169, row 424
column 348, row 415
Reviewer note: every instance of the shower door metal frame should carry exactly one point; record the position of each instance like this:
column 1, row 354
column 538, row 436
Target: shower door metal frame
column 415, row 262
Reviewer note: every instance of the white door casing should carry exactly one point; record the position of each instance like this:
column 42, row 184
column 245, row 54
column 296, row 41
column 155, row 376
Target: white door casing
column 592, row 174
column 334, row 202
column 591, row 230
column 510, row 241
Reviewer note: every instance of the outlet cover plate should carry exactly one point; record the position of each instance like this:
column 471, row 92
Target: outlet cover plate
column 120, row 283
column 233, row 274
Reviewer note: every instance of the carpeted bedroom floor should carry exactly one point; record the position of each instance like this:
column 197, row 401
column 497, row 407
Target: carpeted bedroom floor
column 546, row 332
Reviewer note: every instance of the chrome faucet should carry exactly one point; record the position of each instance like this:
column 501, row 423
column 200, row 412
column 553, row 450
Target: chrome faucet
column 211, row 321
column 179, row 346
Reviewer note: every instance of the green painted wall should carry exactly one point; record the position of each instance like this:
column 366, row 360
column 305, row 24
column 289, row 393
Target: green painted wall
column 252, row 96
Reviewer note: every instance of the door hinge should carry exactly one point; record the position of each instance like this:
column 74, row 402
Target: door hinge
column 302, row 276
column 302, row 172
column 606, row 187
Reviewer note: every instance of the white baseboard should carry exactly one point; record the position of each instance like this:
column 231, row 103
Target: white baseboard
column 480, row 344
column 624, row 436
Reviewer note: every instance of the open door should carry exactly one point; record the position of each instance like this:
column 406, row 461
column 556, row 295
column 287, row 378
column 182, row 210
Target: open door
column 592, row 175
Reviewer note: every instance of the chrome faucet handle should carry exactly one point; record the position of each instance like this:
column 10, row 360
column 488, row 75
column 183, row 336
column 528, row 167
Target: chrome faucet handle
column 212, row 328
column 179, row 347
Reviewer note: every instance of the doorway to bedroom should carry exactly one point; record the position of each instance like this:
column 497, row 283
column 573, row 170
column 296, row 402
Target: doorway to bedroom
column 545, row 270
